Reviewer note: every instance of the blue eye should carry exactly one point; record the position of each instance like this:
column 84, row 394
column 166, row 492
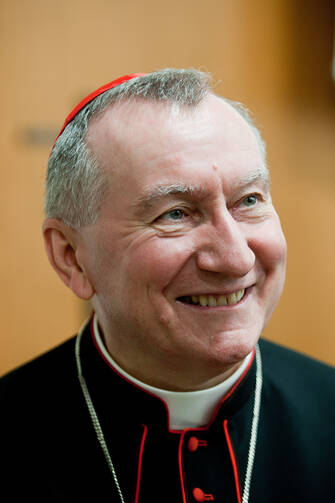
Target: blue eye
column 250, row 200
column 176, row 214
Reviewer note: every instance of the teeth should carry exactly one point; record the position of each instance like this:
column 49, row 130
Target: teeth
column 211, row 301
column 221, row 300
column 239, row 295
column 231, row 299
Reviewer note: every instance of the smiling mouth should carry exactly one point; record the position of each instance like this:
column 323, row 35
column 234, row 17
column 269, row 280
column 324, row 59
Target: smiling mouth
column 213, row 300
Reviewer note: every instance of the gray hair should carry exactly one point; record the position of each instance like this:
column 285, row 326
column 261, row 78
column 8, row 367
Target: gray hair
column 75, row 183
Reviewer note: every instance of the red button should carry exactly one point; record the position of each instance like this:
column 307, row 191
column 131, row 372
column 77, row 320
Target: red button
column 193, row 443
column 200, row 496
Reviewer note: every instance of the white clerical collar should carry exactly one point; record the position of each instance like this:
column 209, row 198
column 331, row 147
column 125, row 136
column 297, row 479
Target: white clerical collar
column 187, row 409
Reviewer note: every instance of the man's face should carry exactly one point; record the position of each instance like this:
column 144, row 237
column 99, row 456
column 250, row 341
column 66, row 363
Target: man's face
column 187, row 259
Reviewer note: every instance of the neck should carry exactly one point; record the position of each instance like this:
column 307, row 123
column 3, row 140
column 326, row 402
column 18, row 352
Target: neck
column 165, row 374
column 190, row 409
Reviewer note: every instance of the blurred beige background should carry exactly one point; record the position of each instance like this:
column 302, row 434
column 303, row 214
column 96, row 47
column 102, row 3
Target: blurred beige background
column 273, row 55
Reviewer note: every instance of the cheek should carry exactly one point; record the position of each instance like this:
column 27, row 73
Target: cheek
column 105, row 264
column 271, row 257
column 270, row 248
column 159, row 261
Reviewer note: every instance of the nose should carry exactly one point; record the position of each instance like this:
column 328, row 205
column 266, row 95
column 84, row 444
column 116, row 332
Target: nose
column 223, row 247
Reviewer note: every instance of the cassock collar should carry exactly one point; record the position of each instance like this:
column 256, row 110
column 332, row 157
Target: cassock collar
column 191, row 409
column 128, row 403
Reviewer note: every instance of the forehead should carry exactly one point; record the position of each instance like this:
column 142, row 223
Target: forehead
column 142, row 142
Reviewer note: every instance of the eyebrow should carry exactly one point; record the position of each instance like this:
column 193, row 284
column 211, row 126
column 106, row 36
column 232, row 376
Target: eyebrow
column 162, row 190
column 260, row 174
column 152, row 194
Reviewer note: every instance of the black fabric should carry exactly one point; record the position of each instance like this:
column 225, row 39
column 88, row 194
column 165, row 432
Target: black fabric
column 49, row 450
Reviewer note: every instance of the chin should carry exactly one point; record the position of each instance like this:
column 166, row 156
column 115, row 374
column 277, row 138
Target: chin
column 235, row 348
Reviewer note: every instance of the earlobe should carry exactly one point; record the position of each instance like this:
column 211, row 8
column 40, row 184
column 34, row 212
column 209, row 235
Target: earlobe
column 60, row 246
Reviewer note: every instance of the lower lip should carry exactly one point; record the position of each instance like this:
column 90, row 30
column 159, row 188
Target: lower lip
column 219, row 308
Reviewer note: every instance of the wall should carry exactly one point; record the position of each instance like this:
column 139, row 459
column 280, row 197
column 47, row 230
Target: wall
column 272, row 55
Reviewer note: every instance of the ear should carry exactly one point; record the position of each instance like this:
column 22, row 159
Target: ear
column 61, row 246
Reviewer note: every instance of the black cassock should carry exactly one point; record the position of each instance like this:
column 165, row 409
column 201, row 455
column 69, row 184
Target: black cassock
column 50, row 452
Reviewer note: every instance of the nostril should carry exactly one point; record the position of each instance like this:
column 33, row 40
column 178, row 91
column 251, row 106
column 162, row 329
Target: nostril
column 231, row 260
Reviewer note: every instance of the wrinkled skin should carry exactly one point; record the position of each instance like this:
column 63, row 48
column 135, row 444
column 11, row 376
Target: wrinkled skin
column 188, row 212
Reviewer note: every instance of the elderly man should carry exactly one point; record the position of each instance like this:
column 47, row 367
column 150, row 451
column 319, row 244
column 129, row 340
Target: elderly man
column 159, row 211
